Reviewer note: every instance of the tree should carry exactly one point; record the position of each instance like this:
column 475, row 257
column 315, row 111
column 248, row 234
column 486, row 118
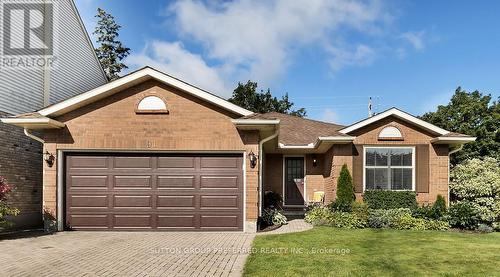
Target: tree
column 477, row 182
column 111, row 51
column 246, row 96
column 345, row 188
column 474, row 114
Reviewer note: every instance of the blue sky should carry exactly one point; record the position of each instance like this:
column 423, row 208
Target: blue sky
column 330, row 56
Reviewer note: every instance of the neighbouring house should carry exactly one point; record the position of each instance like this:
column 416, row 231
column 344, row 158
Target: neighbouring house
column 151, row 152
column 23, row 89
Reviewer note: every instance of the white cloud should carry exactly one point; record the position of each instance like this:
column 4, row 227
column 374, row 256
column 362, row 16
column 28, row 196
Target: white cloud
column 330, row 115
column 362, row 55
column 416, row 39
column 257, row 39
column 174, row 59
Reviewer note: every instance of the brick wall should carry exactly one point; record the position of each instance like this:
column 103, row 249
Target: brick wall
column 21, row 165
column 112, row 124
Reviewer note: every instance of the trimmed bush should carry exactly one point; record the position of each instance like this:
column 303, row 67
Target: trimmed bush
column 273, row 217
column 345, row 188
column 323, row 216
column 340, row 206
column 477, row 182
column 463, row 215
column 388, row 199
column 272, row 200
column 402, row 219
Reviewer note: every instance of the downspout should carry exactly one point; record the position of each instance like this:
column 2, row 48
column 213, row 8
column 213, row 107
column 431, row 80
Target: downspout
column 449, row 156
column 261, row 155
column 30, row 135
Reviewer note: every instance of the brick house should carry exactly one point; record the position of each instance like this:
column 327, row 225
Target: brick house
column 76, row 69
column 151, row 152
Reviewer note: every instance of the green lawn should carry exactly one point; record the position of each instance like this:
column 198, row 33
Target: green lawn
column 375, row 252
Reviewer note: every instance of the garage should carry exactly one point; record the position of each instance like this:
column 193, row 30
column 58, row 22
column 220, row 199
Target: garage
column 125, row 191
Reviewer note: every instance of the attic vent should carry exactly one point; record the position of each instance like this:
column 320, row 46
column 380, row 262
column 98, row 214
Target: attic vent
column 390, row 133
column 152, row 104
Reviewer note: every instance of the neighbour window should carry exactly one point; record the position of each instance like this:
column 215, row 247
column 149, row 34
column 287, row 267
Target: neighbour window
column 389, row 168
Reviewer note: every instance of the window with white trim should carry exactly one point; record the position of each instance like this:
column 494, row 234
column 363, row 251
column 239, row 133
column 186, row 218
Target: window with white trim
column 390, row 168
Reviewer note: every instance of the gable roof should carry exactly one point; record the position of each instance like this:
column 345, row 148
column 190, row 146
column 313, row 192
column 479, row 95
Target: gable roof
column 298, row 131
column 132, row 79
column 399, row 114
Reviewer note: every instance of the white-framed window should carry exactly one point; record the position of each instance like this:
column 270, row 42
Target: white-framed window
column 390, row 132
column 151, row 103
column 389, row 167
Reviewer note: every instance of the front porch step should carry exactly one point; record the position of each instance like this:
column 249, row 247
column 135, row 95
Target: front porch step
column 294, row 212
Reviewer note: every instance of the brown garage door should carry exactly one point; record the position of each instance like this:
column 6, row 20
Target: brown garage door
column 154, row 192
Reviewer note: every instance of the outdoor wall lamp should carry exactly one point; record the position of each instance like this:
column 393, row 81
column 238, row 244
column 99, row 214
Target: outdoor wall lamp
column 49, row 158
column 253, row 159
column 315, row 160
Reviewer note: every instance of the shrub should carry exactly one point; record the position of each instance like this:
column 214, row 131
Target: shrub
column 402, row 219
column 478, row 183
column 345, row 189
column 272, row 200
column 5, row 209
column 340, row 206
column 361, row 211
column 483, row 228
column 273, row 217
column 388, row 199
column 463, row 215
column 436, row 211
column 324, row 216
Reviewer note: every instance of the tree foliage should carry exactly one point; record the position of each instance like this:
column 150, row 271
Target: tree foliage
column 478, row 182
column 474, row 114
column 111, row 51
column 345, row 188
column 5, row 209
column 246, row 96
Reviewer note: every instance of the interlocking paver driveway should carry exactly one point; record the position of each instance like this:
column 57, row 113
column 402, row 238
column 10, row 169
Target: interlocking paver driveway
column 126, row 254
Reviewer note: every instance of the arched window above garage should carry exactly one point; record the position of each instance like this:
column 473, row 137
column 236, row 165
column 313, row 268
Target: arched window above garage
column 152, row 104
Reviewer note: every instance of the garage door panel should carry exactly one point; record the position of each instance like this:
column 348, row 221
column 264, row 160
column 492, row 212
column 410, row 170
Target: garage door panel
column 219, row 221
column 176, row 163
column 176, row 202
column 89, row 201
column 176, row 221
column 219, row 202
column 176, row 182
column 88, row 182
column 133, row 162
column 132, row 182
column 132, row 201
column 88, row 162
column 220, row 163
column 90, row 221
column 219, row 182
column 162, row 191
column 140, row 221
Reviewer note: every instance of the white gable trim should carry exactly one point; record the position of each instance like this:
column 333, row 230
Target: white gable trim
column 397, row 113
column 132, row 79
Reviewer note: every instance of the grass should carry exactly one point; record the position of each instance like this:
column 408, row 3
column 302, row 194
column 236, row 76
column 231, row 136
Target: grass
column 375, row 252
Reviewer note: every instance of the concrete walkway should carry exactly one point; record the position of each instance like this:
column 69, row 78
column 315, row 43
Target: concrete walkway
column 126, row 254
column 293, row 226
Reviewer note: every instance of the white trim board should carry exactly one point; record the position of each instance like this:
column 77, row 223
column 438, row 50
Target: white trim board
column 133, row 79
column 399, row 114
column 305, row 179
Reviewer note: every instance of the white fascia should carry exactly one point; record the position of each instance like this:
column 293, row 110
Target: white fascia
column 100, row 92
column 399, row 114
column 255, row 121
column 444, row 140
column 33, row 123
column 332, row 139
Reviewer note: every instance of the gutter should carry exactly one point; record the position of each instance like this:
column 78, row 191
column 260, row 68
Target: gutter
column 449, row 155
column 30, row 135
column 261, row 152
